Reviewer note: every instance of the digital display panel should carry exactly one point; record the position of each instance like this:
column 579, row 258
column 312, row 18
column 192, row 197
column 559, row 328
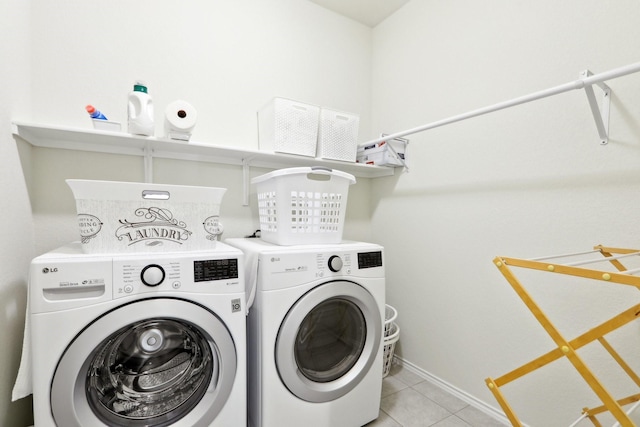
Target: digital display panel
column 369, row 259
column 215, row 269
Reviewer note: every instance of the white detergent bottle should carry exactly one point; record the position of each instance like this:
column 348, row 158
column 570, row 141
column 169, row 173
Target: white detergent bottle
column 140, row 111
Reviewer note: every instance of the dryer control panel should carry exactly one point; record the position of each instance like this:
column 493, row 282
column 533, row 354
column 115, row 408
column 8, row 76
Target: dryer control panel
column 300, row 264
column 370, row 259
column 365, row 260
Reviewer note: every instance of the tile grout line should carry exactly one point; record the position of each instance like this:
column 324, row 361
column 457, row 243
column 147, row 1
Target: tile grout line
column 412, row 386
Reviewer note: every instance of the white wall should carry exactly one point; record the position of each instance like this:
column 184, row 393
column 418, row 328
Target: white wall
column 16, row 232
column 227, row 59
column 524, row 182
column 529, row 181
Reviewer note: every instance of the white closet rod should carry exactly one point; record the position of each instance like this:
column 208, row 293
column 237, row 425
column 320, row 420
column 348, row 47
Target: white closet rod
column 582, row 83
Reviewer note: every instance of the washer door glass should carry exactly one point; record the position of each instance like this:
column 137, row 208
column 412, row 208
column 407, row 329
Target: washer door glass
column 153, row 362
column 328, row 341
column 151, row 369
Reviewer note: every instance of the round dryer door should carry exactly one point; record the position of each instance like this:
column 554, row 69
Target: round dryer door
column 154, row 362
column 328, row 341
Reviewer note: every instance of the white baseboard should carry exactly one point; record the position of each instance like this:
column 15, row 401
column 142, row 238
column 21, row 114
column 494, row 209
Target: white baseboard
column 460, row 394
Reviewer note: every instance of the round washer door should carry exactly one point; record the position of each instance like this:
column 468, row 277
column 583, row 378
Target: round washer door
column 328, row 341
column 153, row 362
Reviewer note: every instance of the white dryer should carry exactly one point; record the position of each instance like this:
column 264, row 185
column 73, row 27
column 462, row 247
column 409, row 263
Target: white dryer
column 315, row 333
column 138, row 339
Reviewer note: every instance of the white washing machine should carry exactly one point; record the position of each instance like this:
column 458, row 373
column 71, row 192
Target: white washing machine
column 138, row 339
column 315, row 333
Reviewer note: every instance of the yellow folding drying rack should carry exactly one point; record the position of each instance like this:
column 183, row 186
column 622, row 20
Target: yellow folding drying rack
column 567, row 348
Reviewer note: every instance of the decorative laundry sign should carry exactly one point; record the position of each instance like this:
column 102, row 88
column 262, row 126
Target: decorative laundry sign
column 213, row 227
column 118, row 217
column 158, row 224
column 90, row 226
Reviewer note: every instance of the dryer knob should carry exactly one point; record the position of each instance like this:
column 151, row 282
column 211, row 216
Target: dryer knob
column 152, row 275
column 335, row 263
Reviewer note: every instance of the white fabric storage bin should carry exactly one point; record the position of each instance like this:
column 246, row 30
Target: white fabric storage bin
column 299, row 206
column 288, row 126
column 119, row 217
column 338, row 135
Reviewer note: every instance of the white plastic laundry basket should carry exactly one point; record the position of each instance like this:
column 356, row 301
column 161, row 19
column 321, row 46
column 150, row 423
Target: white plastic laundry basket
column 390, row 315
column 391, row 337
column 306, row 205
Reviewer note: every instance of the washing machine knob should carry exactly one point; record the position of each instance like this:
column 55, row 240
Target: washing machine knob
column 335, row 263
column 152, row 275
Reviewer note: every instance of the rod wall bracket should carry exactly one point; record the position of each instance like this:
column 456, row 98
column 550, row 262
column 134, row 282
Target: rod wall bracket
column 600, row 113
column 246, row 169
column 148, row 163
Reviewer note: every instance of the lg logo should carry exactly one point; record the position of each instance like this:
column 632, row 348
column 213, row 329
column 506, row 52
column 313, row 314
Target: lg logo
column 50, row 270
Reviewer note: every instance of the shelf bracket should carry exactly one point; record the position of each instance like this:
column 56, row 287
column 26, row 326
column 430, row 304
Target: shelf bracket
column 600, row 113
column 148, row 163
column 245, row 182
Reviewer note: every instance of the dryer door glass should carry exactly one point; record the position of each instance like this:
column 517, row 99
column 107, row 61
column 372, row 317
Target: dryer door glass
column 155, row 369
column 330, row 340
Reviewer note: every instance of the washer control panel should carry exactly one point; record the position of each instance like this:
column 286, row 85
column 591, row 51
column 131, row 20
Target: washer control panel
column 67, row 277
column 335, row 263
column 152, row 275
column 215, row 269
column 135, row 276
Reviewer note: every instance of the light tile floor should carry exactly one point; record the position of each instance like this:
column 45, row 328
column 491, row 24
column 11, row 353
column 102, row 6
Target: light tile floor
column 410, row 401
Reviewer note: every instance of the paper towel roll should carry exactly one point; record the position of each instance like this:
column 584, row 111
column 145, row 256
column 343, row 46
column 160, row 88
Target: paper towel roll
column 180, row 119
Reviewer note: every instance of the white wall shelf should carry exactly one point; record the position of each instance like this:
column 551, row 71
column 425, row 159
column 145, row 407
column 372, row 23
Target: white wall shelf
column 49, row 136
